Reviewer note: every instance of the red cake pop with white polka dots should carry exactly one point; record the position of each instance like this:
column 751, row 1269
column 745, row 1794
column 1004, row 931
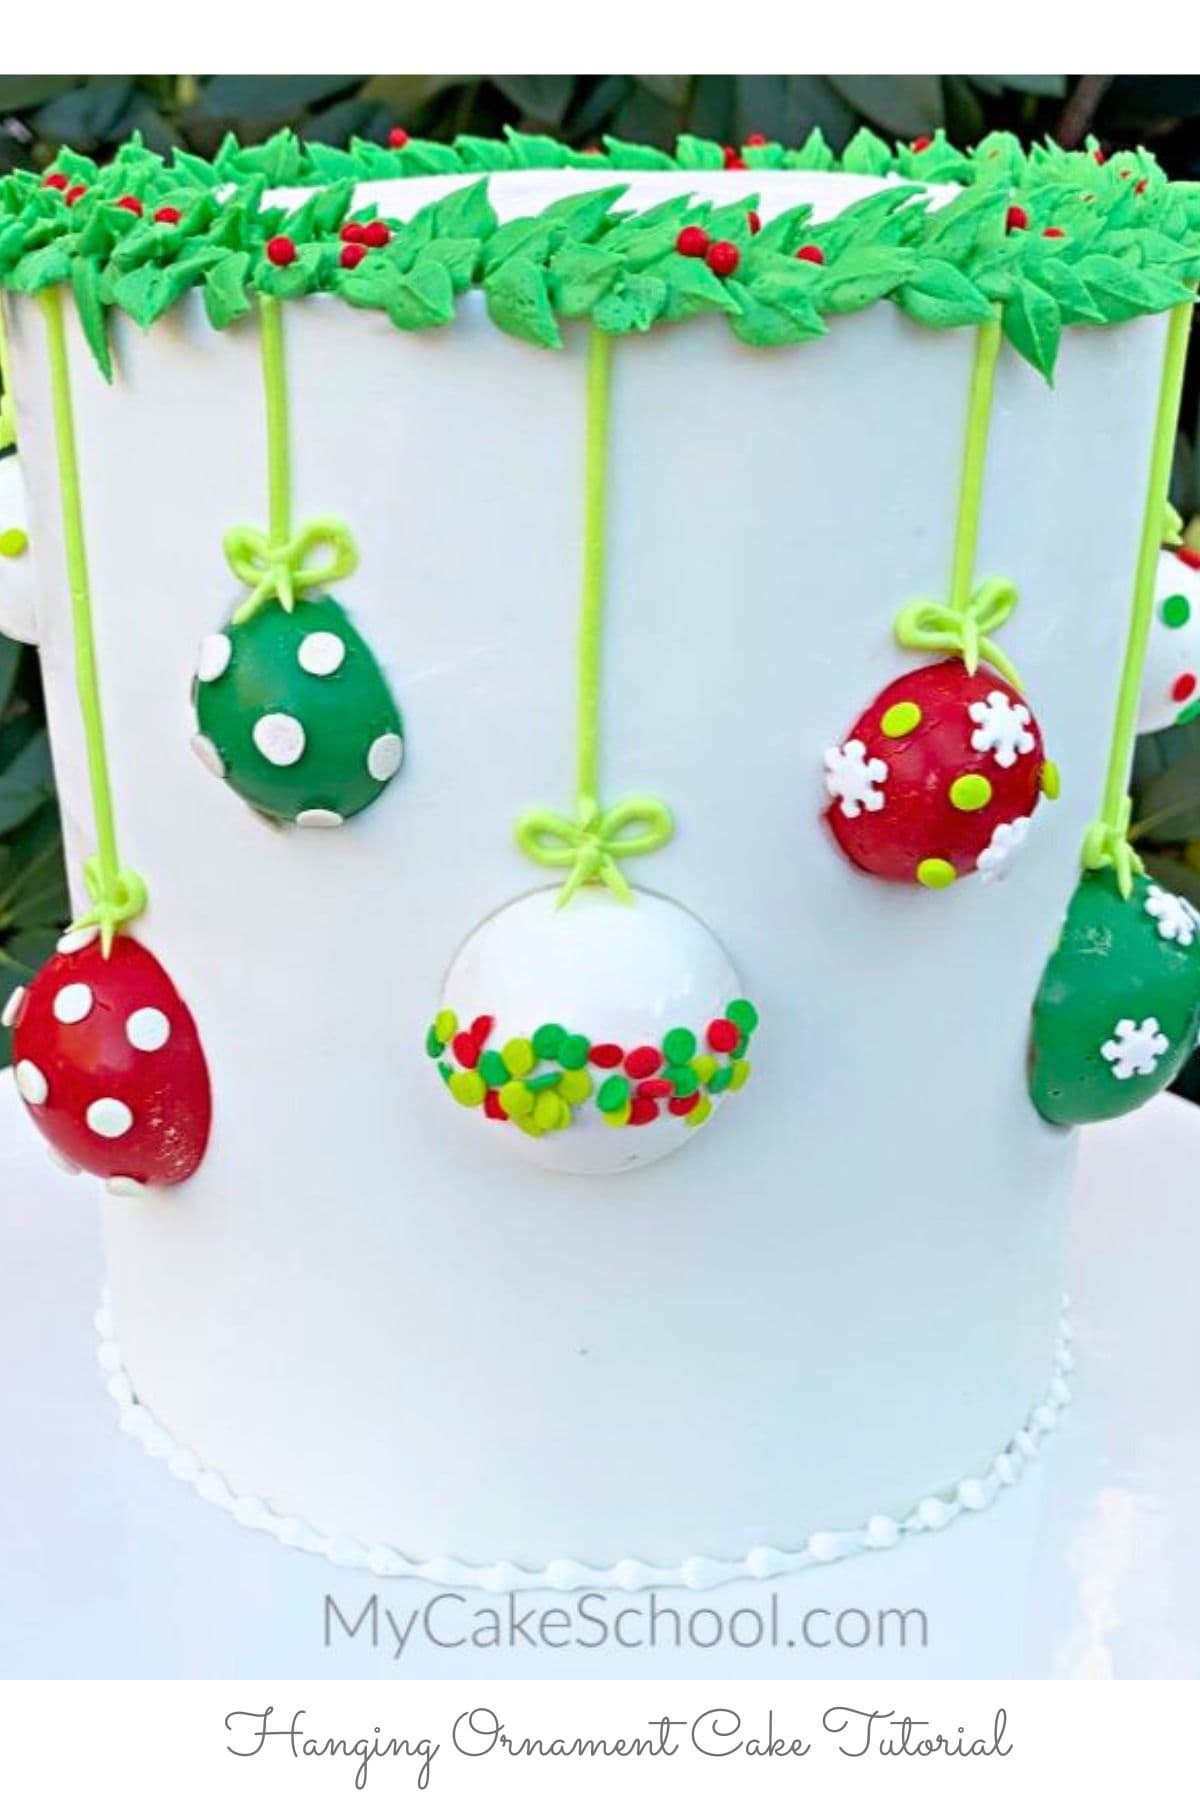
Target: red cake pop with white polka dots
column 939, row 777
column 108, row 1060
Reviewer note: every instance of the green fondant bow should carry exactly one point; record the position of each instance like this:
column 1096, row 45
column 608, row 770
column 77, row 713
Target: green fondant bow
column 591, row 844
column 964, row 631
column 1107, row 846
column 116, row 900
column 283, row 571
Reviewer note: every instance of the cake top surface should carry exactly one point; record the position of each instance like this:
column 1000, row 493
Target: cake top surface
column 763, row 236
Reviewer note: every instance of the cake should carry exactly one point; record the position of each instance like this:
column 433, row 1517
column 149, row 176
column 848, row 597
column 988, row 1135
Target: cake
column 592, row 694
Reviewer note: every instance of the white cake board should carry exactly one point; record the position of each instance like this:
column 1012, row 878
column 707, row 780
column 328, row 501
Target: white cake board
column 1090, row 1568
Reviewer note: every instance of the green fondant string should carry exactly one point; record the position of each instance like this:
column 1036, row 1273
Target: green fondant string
column 963, row 624
column 118, row 894
column 592, row 844
column 8, row 417
column 280, row 563
column 1106, row 843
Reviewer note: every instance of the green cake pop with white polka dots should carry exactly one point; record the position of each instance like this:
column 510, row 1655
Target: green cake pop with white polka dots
column 295, row 713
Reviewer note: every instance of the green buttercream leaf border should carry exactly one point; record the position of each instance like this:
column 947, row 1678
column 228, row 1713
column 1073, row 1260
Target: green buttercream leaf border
column 1123, row 241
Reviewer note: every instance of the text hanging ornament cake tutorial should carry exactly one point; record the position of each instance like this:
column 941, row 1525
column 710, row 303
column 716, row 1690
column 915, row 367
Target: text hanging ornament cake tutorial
column 292, row 709
column 575, row 1015
column 106, row 1055
column 940, row 775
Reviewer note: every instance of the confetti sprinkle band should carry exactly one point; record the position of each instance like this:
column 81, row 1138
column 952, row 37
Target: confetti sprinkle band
column 1106, row 841
column 539, row 1083
column 591, row 844
column 118, row 894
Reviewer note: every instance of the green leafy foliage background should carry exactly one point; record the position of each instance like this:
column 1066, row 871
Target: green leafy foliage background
column 95, row 114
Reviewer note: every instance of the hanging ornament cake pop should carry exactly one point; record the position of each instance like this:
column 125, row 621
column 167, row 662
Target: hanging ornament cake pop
column 940, row 775
column 106, row 1055
column 592, row 1027
column 292, row 709
column 1171, row 683
column 1118, row 1006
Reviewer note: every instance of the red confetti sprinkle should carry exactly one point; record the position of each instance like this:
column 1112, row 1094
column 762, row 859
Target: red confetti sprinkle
column 397, row 137
column 1016, row 219
column 376, row 235
column 683, row 1104
column 75, row 193
column 465, row 1049
column 754, row 222
column 606, row 1056
column 722, row 1035
column 755, row 141
column 732, row 159
column 656, row 1088
column 642, row 1111
column 645, row 1060
column 352, row 255
column 131, row 203
column 481, row 1028
column 723, row 258
column 281, row 251
column 167, row 215
column 692, row 241
column 812, row 253
column 56, row 180
column 1054, row 231
column 353, row 234
column 1184, row 688
column 921, row 143
column 493, row 1108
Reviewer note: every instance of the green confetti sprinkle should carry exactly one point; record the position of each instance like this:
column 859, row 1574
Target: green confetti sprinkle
column 679, row 1046
column 493, row 1068
column 547, row 1040
column 613, row 1095
column 742, row 1014
column 573, row 1051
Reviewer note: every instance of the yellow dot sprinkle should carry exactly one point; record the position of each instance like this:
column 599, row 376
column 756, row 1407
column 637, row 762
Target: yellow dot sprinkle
column 900, row 719
column 13, row 542
column 575, row 1086
column 936, row 872
column 970, row 792
column 1051, row 780
column 739, row 1075
column 516, row 1099
column 705, row 1067
column 446, row 1024
column 518, row 1056
column 468, row 1087
column 699, row 1113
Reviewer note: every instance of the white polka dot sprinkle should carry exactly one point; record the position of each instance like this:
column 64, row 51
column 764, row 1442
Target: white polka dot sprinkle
column 12, row 1007
column 125, row 1187
column 385, row 756
column 109, row 1118
column 31, row 1084
column 208, row 755
column 216, row 653
column 73, row 1003
column 148, row 1029
column 319, row 818
column 280, row 739
column 71, row 941
column 321, row 653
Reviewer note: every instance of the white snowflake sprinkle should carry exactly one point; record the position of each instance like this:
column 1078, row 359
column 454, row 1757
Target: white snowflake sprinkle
column 1176, row 919
column 854, row 778
column 1003, row 728
column 994, row 862
column 1134, row 1049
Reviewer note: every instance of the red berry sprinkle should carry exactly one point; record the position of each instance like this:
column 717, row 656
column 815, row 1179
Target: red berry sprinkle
column 1188, row 556
column 493, row 1108
column 692, row 241
column 642, row 1111
column 353, row 234
column 465, row 1049
column 732, row 159
column 755, row 141
column 921, row 143
column 754, row 222
column 812, row 253
column 723, row 258
column 1184, row 687
column 397, row 137
column 682, row 1105
column 130, row 203
column 1054, row 231
column 1099, row 156
column 1016, row 219
column 281, row 251
column 376, row 235
column 606, row 1056
column 57, row 180
column 481, row 1028
column 722, row 1035
column 656, row 1088
column 75, row 193
column 352, row 255
column 645, row 1060
column 167, row 215
column 1140, row 186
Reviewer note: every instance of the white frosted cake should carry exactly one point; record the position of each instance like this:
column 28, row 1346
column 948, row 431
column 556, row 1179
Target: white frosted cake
column 544, row 630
